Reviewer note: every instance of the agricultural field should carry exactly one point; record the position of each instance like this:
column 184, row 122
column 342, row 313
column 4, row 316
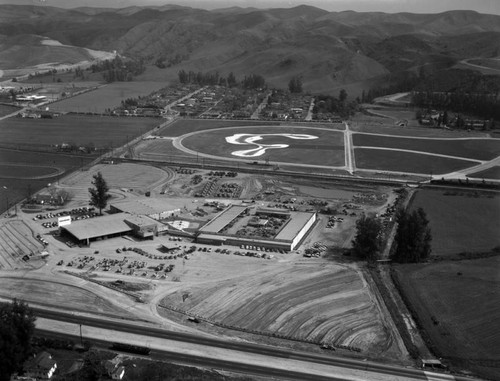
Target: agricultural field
column 362, row 123
column 490, row 173
column 106, row 97
column 457, row 306
column 478, row 149
column 387, row 160
column 6, row 110
column 311, row 146
column 318, row 302
column 461, row 221
column 101, row 131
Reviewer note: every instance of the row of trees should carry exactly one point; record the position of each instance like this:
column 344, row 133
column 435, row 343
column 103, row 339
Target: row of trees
column 204, row 79
column 482, row 105
column 412, row 242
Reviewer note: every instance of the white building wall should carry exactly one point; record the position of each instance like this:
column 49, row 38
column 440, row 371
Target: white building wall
column 303, row 232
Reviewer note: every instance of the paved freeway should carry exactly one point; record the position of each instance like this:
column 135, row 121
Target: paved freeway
column 230, row 355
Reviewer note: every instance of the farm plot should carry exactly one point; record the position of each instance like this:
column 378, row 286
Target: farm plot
column 479, row 149
column 457, row 305
column 490, row 173
column 107, row 97
column 78, row 129
column 461, row 221
column 408, row 162
column 322, row 303
column 372, row 126
column 303, row 145
column 6, row 110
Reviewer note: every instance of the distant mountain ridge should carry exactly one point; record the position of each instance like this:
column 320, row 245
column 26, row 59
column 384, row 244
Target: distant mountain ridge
column 327, row 49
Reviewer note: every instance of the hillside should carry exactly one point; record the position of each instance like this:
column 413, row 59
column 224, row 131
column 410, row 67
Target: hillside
column 328, row 49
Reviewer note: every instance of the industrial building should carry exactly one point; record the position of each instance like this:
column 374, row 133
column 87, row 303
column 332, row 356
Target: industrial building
column 297, row 225
column 109, row 226
column 151, row 207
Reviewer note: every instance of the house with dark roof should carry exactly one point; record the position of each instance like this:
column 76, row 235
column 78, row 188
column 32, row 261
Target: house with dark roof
column 41, row 367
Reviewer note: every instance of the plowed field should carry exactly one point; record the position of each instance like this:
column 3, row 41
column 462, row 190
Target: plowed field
column 322, row 303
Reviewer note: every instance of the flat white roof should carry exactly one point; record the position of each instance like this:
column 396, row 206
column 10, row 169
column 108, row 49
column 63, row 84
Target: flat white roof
column 295, row 224
column 221, row 220
column 99, row 226
column 145, row 206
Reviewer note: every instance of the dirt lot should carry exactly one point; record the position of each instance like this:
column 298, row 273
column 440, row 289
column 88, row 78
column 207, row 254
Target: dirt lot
column 289, row 294
column 457, row 305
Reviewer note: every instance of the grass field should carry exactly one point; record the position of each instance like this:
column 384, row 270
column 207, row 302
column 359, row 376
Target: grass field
column 373, row 125
column 185, row 126
column 17, row 188
column 78, row 129
column 323, row 303
column 6, row 110
column 327, row 148
column 479, row 149
column 457, row 306
column 386, row 160
column 490, row 173
column 108, row 96
column 460, row 220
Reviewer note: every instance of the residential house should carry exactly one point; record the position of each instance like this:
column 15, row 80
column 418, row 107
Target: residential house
column 41, row 367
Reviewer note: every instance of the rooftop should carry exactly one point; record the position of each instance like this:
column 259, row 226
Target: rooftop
column 224, row 218
column 145, row 206
column 294, row 226
column 99, row 226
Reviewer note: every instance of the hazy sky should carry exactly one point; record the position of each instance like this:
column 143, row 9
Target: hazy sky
column 418, row 6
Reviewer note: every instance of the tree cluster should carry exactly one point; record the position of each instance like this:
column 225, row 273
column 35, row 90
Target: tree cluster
column 413, row 238
column 367, row 242
column 330, row 104
column 483, row 105
column 17, row 325
column 118, row 69
column 200, row 78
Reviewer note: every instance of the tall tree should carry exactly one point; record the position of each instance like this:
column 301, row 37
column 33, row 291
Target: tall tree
column 366, row 243
column 295, row 85
column 413, row 237
column 17, row 325
column 99, row 195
